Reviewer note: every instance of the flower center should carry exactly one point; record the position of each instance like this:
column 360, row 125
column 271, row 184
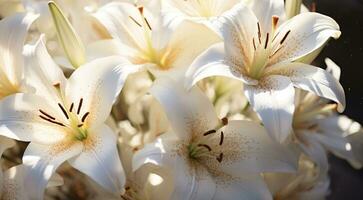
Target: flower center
column 197, row 150
column 264, row 50
column 76, row 122
column 148, row 54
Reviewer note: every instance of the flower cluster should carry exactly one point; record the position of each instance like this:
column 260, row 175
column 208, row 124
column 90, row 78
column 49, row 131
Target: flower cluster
column 169, row 99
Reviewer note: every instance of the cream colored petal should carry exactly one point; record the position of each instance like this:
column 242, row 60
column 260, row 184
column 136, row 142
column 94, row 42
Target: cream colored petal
column 189, row 113
column 302, row 35
column 42, row 161
column 100, row 160
column 273, row 100
column 14, row 30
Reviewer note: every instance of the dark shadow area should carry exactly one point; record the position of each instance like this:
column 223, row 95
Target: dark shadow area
column 347, row 52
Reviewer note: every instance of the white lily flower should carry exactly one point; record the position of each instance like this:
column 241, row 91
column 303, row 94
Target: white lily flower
column 318, row 128
column 211, row 158
column 155, row 42
column 65, row 119
column 262, row 55
column 307, row 183
column 13, row 34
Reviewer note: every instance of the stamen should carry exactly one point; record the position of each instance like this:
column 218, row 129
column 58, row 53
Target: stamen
column 259, row 32
column 209, row 132
column 51, row 121
column 79, row 106
column 141, row 10
column 57, row 85
column 206, row 146
column 46, row 114
column 85, row 116
column 275, row 20
column 134, row 20
column 222, row 138
column 220, row 157
column 79, row 125
column 284, row 38
column 71, row 108
column 275, row 52
column 266, row 42
column 147, row 23
column 63, row 110
column 224, row 121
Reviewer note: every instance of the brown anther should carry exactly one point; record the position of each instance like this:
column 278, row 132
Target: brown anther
column 141, row 10
column 259, row 32
column 127, row 188
column 224, row 121
column 147, row 23
column 220, row 157
column 134, row 20
column 79, row 106
column 63, row 110
column 80, row 125
column 285, row 36
column 222, row 138
column 46, row 114
column 57, row 85
column 266, row 42
column 71, row 108
column 85, row 116
column 51, row 121
column 205, row 146
column 275, row 20
column 209, row 132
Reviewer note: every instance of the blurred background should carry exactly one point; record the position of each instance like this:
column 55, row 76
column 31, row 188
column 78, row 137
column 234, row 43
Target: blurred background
column 347, row 52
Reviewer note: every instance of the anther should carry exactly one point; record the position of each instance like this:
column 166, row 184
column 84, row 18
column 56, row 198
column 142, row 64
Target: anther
column 222, row 138
column 205, row 146
column 79, row 106
column 285, row 36
column 134, row 20
column 147, row 23
column 259, row 32
column 85, row 116
column 51, row 121
column 275, row 20
column 57, row 85
column 46, row 114
column 224, row 121
column 71, row 108
column 220, row 157
column 63, row 110
column 79, row 125
column 266, row 42
column 209, row 132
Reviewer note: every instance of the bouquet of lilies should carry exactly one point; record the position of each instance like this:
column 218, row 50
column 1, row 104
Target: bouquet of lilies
column 169, row 99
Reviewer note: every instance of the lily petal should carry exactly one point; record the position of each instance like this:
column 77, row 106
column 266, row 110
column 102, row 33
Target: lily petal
column 302, row 35
column 188, row 112
column 43, row 160
column 100, row 160
column 248, row 149
column 191, row 183
column 212, row 63
column 20, row 119
column 123, row 21
column 273, row 101
column 265, row 9
column 238, row 27
column 251, row 186
column 42, row 72
column 98, row 83
column 12, row 37
column 312, row 79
